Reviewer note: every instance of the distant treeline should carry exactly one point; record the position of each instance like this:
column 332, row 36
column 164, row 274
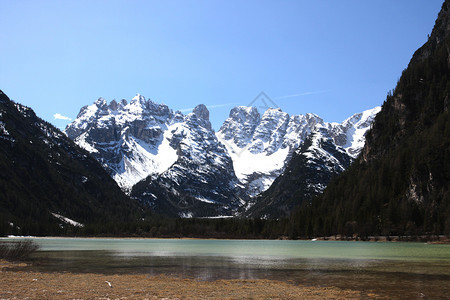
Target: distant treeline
column 223, row 228
column 162, row 227
column 234, row 228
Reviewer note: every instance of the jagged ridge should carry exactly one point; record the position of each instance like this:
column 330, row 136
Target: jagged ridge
column 179, row 166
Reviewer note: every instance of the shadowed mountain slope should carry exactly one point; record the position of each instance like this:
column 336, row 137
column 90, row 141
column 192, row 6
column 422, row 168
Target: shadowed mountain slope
column 400, row 184
column 47, row 182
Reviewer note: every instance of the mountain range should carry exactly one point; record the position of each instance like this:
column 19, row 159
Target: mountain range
column 179, row 166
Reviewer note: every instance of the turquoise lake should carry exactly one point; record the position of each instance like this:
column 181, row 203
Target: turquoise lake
column 395, row 270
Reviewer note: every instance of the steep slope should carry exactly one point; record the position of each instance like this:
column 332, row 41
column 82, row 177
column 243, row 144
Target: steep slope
column 262, row 147
column 181, row 167
column 46, row 180
column 351, row 134
column 131, row 140
column 400, row 184
column 201, row 182
column 311, row 168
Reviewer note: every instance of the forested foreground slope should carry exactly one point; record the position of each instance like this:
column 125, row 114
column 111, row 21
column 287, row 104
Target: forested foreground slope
column 400, row 183
column 46, row 179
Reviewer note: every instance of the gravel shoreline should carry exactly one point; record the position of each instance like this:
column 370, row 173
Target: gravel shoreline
column 19, row 284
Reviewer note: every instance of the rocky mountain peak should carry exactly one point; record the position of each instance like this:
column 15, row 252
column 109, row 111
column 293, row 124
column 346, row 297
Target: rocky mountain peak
column 306, row 174
column 100, row 103
column 201, row 112
column 350, row 134
column 138, row 99
column 240, row 125
column 262, row 146
column 126, row 137
column 199, row 117
column 113, row 105
column 245, row 114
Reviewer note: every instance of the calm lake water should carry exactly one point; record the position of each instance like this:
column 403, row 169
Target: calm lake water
column 395, row 270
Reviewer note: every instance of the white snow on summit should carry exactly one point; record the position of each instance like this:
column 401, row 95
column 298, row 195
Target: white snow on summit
column 358, row 125
column 261, row 147
column 141, row 138
column 317, row 150
column 131, row 140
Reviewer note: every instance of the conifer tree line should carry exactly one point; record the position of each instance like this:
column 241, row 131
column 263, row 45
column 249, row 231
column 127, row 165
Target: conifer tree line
column 400, row 185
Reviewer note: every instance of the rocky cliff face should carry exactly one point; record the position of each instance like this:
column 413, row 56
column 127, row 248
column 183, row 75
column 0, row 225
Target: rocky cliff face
column 131, row 140
column 185, row 171
column 261, row 146
column 306, row 175
column 201, row 182
column 179, row 166
column 350, row 134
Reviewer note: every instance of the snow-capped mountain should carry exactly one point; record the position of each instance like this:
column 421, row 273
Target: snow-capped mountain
column 131, row 140
column 350, row 134
column 179, row 166
column 183, row 167
column 260, row 147
column 201, row 182
column 307, row 174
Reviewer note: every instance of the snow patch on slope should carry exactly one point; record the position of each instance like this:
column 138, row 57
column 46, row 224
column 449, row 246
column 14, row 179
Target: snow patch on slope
column 245, row 163
column 67, row 220
column 356, row 135
column 143, row 162
column 259, row 146
column 131, row 140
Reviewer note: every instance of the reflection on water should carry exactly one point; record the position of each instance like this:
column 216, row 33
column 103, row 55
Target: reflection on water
column 395, row 270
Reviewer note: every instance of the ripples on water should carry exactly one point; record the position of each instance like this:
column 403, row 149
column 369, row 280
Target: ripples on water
column 395, row 270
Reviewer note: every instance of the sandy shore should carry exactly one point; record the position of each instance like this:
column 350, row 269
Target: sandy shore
column 16, row 283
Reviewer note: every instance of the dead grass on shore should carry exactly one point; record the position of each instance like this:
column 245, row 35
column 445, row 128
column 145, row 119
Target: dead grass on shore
column 19, row 284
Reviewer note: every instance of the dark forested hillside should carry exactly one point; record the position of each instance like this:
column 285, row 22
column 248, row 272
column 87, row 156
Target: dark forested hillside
column 400, row 183
column 44, row 172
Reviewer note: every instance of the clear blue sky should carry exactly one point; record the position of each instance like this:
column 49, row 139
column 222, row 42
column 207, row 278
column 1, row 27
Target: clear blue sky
column 337, row 57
